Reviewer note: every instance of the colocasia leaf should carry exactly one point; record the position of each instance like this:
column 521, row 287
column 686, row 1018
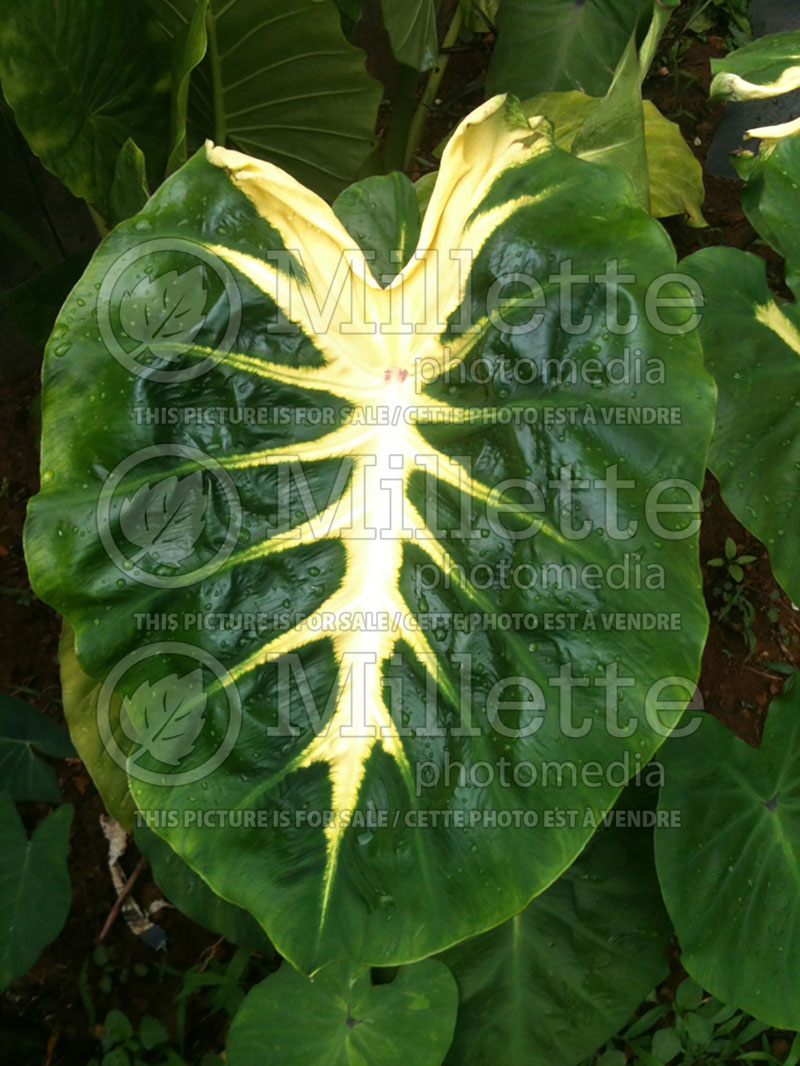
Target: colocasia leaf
column 450, row 534
column 34, row 886
column 408, row 1022
column 729, row 874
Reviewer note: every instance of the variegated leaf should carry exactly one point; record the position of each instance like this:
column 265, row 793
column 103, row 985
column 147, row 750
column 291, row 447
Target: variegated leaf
column 394, row 589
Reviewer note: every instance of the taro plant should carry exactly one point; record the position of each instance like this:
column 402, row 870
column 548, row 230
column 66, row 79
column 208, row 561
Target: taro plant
column 298, row 519
column 374, row 527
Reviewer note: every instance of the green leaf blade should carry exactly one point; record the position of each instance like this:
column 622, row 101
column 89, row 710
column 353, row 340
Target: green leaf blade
column 408, row 1022
column 34, row 886
column 729, row 875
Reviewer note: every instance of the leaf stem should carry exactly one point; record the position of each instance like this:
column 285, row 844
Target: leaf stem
column 431, row 89
column 220, row 125
column 662, row 13
column 23, row 240
column 403, row 102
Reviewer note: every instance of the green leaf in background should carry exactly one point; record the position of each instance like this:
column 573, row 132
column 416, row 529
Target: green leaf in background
column 613, row 132
column 189, row 45
column 129, row 189
column 350, row 11
column 423, row 190
column 770, row 199
column 191, row 895
column 35, row 303
column 24, row 731
column 729, row 875
column 324, row 889
column 545, row 45
column 551, row 985
column 152, row 1033
column 411, row 25
column 675, row 176
column 35, row 892
column 341, row 1019
column 82, row 76
column 752, row 347
column 479, row 15
column 666, row 1044
column 382, row 215
column 279, row 80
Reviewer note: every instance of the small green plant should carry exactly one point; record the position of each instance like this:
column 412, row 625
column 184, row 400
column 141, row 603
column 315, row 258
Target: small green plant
column 122, row 1045
column 108, row 972
column 733, row 563
column 695, row 1030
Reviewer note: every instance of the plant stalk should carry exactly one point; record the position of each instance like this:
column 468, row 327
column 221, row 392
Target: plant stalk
column 220, row 125
column 662, row 13
column 23, row 240
column 431, row 89
column 403, row 103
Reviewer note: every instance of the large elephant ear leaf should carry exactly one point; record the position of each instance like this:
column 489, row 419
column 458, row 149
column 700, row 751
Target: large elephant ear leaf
column 550, row 986
column 280, row 508
column 82, row 77
column 576, row 45
column 729, row 874
column 281, row 81
column 407, row 1022
column 752, row 348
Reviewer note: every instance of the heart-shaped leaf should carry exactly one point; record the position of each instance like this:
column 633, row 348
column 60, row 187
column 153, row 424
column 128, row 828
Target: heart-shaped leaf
column 408, row 1022
column 675, row 176
column 544, row 45
column 24, row 731
column 34, row 886
column 280, row 80
column 83, row 76
column 411, row 25
column 550, row 986
column 729, row 874
column 415, row 582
